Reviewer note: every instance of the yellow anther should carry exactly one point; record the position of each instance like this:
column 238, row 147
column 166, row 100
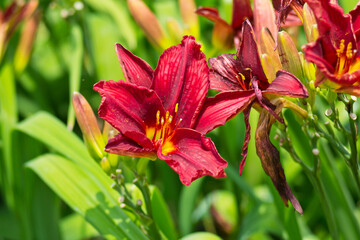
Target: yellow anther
column 167, row 115
column 349, row 51
column 162, row 120
column 158, row 117
column 242, row 76
column 341, row 47
column 170, row 119
column 176, row 107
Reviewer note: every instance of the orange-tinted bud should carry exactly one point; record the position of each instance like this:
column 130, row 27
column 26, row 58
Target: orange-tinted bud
column 24, row 48
column 148, row 22
column 89, row 126
column 191, row 21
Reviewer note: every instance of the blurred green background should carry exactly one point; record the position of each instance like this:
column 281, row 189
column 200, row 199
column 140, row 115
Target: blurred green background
column 52, row 189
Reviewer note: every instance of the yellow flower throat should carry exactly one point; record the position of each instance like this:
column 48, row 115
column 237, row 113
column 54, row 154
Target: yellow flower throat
column 164, row 130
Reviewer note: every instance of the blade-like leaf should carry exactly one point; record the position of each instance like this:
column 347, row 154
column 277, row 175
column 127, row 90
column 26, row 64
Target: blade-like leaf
column 162, row 215
column 75, row 66
column 78, row 189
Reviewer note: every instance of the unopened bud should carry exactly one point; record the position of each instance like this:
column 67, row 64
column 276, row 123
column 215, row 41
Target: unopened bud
column 148, row 22
column 328, row 112
column 353, row 98
column 23, row 51
column 289, row 56
column 139, row 202
column 191, row 21
column 79, row 5
column 121, row 199
column 105, row 165
column 317, row 135
column 122, row 205
column 309, row 23
column 88, row 125
column 316, row 151
column 353, row 116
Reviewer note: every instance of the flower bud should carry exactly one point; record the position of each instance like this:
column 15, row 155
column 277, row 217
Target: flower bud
column 191, row 21
column 27, row 38
column 289, row 56
column 148, row 23
column 268, row 67
column 105, row 165
column 310, row 27
column 88, row 125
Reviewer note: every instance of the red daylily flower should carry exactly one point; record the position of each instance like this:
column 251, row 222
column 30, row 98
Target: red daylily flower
column 243, row 84
column 155, row 112
column 336, row 51
column 245, row 79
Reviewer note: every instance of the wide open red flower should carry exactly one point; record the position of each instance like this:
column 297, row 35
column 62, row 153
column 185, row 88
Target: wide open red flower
column 243, row 84
column 336, row 51
column 155, row 111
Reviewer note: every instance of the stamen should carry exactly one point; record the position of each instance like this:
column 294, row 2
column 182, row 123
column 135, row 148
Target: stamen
column 341, row 48
column 242, row 81
column 158, row 117
column 176, row 107
column 162, row 121
column 167, row 115
column 349, row 51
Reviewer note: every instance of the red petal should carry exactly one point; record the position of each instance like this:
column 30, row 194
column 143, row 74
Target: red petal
column 270, row 159
column 352, row 90
column 122, row 145
column 194, row 156
column 355, row 19
column 182, row 76
column 315, row 54
column 246, row 140
column 332, row 23
column 221, row 108
column 241, row 11
column 249, row 56
column 211, row 14
column 128, row 107
column 286, row 84
column 223, row 73
column 135, row 70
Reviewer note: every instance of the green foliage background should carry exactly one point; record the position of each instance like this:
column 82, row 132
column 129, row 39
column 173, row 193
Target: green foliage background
column 51, row 188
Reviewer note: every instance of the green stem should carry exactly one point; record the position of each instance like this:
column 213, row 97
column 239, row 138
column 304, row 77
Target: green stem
column 144, row 188
column 328, row 211
column 354, row 155
column 313, row 175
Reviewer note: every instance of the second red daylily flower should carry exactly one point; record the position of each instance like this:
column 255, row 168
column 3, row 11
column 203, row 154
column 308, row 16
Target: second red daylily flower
column 155, row 112
column 336, row 51
column 243, row 84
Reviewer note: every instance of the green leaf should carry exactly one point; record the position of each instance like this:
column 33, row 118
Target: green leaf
column 201, row 236
column 162, row 216
column 8, row 119
column 187, row 204
column 84, row 195
column 75, row 66
column 75, row 227
column 118, row 11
